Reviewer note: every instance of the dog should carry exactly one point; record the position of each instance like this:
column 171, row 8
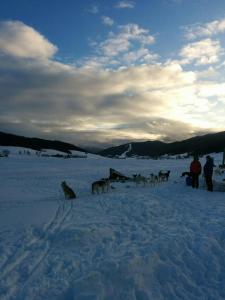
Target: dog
column 185, row 174
column 153, row 179
column 102, row 185
column 163, row 176
column 218, row 171
column 138, row 179
column 68, row 192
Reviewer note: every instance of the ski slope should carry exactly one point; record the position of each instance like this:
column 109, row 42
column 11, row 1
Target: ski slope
column 156, row 242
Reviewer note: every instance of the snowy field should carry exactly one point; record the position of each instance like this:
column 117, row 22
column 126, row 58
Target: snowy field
column 161, row 242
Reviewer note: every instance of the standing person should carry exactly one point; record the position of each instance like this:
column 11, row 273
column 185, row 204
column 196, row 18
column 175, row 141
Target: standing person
column 195, row 170
column 208, row 172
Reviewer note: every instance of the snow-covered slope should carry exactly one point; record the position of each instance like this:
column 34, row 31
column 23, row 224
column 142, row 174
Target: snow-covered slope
column 44, row 152
column 129, row 148
column 155, row 242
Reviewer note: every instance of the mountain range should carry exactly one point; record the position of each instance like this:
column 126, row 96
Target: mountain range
column 209, row 143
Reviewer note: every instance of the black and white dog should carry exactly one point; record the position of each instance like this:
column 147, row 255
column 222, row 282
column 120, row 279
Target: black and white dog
column 164, row 175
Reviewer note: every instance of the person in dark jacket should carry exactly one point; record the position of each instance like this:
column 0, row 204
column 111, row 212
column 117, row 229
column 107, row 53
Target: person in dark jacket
column 195, row 170
column 208, row 172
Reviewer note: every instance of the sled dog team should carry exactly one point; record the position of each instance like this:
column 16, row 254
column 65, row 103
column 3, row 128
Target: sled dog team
column 152, row 179
column 103, row 185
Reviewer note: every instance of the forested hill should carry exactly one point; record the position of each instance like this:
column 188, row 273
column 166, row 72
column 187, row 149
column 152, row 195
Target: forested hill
column 208, row 143
column 36, row 143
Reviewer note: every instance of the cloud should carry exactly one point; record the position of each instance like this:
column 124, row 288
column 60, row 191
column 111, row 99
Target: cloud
column 20, row 40
column 93, row 9
column 107, row 21
column 203, row 52
column 209, row 73
column 125, row 4
column 122, row 42
column 142, row 55
column 53, row 100
column 127, row 44
column 200, row 30
column 42, row 97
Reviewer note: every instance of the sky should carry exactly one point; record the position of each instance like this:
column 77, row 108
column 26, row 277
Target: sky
column 102, row 73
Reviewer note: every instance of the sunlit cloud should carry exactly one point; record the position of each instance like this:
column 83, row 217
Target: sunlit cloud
column 203, row 52
column 209, row 73
column 20, row 40
column 121, row 42
column 200, row 30
column 127, row 44
column 142, row 55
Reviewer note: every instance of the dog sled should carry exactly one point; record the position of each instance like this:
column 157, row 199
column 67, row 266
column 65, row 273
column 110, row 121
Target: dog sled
column 115, row 175
column 218, row 186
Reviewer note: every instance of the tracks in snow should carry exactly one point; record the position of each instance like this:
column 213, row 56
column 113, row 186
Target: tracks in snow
column 30, row 253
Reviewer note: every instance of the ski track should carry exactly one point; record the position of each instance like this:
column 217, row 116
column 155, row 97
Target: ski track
column 118, row 241
column 24, row 256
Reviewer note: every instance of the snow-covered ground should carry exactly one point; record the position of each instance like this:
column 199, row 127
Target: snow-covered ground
column 161, row 242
